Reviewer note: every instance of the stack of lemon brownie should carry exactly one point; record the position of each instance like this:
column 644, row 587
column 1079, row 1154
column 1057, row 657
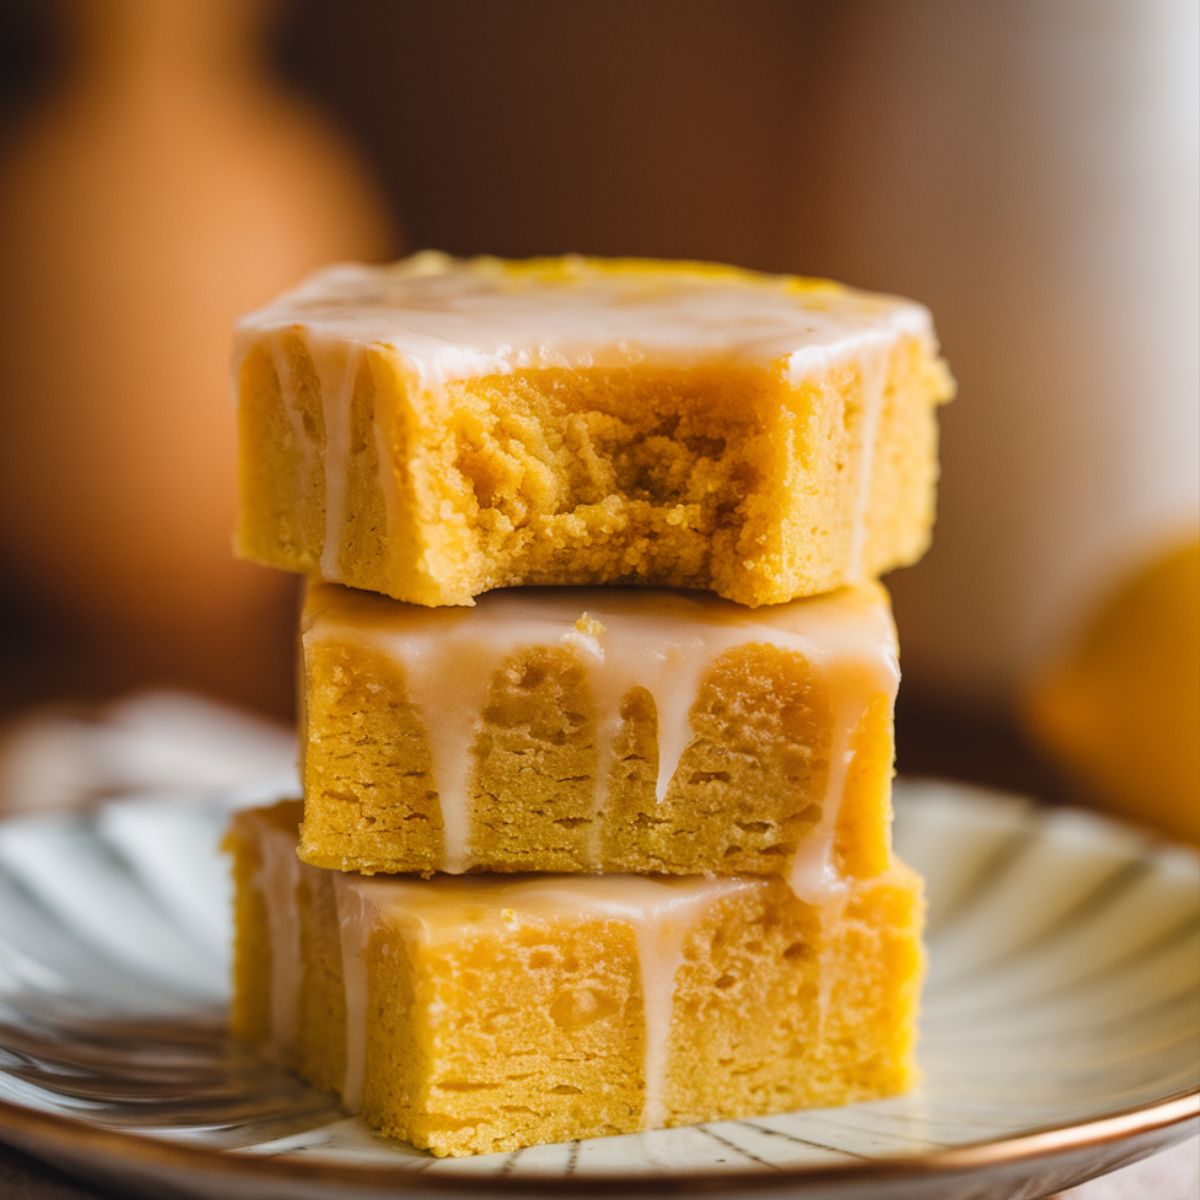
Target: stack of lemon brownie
column 596, row 693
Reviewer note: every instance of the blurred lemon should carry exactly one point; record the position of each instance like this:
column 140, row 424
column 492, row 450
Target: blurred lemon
column 1122, row 708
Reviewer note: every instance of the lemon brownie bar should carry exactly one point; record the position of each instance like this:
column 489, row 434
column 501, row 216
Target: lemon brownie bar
column 602, row 729
column 475, row 1014
column 437, row 428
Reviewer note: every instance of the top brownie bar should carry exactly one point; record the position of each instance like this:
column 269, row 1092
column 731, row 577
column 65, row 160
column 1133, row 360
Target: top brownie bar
column 436, row 428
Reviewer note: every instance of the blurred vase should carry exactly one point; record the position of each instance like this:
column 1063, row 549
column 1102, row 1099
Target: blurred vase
column 165, row 186
column 1029, row 170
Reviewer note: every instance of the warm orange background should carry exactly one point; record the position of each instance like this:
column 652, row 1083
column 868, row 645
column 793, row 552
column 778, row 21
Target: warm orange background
column 1026, row 168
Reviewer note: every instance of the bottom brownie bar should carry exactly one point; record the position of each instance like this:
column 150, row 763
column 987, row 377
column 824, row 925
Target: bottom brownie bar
column 483, row 1013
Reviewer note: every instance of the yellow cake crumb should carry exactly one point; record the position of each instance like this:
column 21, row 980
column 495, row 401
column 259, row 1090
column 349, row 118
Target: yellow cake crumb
column 438, row 428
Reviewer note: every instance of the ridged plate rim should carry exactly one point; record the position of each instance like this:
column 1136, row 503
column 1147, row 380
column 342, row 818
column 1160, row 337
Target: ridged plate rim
column 73, row 1135
column 1144, row 1128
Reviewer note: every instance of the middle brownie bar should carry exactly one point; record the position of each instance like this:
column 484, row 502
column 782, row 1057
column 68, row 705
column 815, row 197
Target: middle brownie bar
column 613, row 730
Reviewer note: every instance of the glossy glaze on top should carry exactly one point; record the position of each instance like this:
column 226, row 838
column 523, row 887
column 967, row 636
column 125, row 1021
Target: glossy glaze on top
column 449, row 318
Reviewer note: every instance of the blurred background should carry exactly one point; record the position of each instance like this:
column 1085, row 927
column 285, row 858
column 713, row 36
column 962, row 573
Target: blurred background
column 1028, row 169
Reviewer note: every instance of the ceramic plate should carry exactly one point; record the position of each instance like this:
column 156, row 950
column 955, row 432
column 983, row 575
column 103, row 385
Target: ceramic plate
column 1061, row 1032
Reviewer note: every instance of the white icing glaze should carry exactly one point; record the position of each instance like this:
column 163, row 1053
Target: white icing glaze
column 813, row 873
column 661, row 913
column 356, row 919
column 289, row 390
column 452, row 319
column 337, row 366
column 664, row 642
column 585, row 637
column 278, row 880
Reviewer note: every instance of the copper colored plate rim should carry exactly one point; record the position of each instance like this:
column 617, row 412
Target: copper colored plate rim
column 77, row 1135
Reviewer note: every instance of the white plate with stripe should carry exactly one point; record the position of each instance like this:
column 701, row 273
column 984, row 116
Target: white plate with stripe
column 1060, row 1038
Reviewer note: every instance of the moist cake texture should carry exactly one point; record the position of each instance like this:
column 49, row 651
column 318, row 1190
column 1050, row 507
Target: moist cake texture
column 602, row 729
column 480, row 1014
column 437, row 428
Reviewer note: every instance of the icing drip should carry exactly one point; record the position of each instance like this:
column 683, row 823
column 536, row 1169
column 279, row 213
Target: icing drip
column 586, row 638
column 278, row 881
column 289, row 392
column 660, row 955
column 813, row 872
column 356, row 919
column 448, row 685
column 670, row 671
column 337, row 370
column 336, row 367
column 661, row 913
column 664, row 642
column 874, row 390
